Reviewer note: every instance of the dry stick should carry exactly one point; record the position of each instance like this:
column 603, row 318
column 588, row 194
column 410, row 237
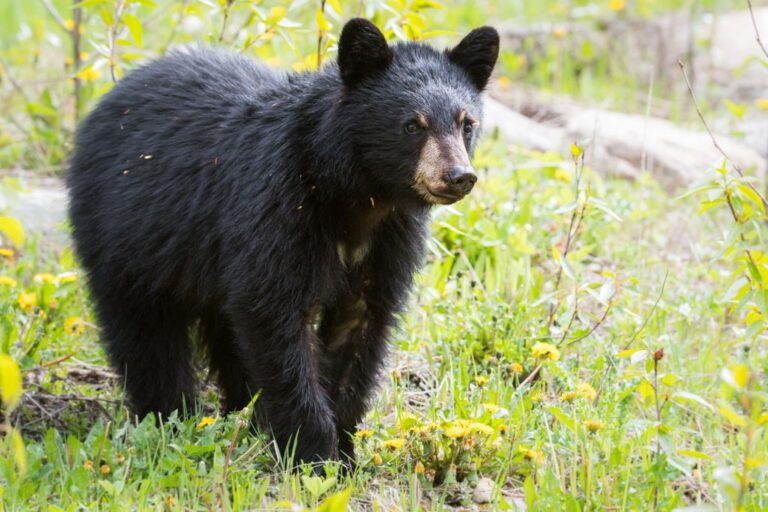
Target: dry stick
column 757, row 32
column 712, row 135
column 225, row 20
column 112, row 36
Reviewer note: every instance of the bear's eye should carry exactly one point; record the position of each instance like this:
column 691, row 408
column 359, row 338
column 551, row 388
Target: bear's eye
column 468, row 127
column 412, row 127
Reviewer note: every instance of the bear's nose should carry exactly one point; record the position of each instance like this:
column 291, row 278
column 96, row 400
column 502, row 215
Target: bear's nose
column 462, row 178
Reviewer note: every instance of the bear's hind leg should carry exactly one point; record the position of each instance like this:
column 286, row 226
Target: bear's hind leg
column 150, row 350
column 226, row 363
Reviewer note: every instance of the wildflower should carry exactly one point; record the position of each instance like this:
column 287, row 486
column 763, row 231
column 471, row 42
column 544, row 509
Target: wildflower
column 762, row 103
column 419, row 468
column 84, row 55
column 593, row 425
column 169, row 501
column 377, row 459
column 491, row 408
column 74, row 326
column 559, row 32
column 587, row 391
column 88, row 465
column 207, row 420
column 69, row 24
column 45, row 278
column 545, row 351
column 52, row 303
column 502, row 428
column 27, row 301
column 457, row 431
column 616, row 5
column 105, row 470
column 89, row 74
column 7, row 281
column 481, row 380
column 481, row 428
column 516, row 368
column 569, row 396
column 393, row 444
column 120, row 458
column 533, row 455
column 504, row 82
column 364, row 434
column 67, row 277
column 6, row 253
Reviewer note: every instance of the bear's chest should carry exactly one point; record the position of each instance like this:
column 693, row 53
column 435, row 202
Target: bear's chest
column 357, row 235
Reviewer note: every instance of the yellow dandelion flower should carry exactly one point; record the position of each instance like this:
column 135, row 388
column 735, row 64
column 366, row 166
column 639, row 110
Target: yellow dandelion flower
column 74, row 326
column 481, row 380
column 393, row 444
column 516, row 367
column 502, row 428
column 762, row 103
column 67, row 277
column 377, row 459
column 207, row 420
column 533, row 455
column 593, row 425
column 27, row 301
column 616, row 5
column 45, row 278
column 84, row 55
column 491, row 408
column 7, row 281
column 419, row 468
column 481, row 428
column 364, row 434
column 586, row 390
column 6, row 253
column 89, row 74
column 504, row 82
column 69, row 24
column 559, row 32
column 569, row 396
column 457, row 431
column 105, row 469
column 52, row 303
column 88, row 465
column 169, row 501
column 120, row 458
column 545, row 351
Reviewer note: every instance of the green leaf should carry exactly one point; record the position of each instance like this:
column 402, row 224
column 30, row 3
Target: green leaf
column 10, row 382
column 338, row 502
column 134, row 27
column 685, row 396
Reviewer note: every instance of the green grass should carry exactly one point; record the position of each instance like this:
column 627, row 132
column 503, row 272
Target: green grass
column 452, row 410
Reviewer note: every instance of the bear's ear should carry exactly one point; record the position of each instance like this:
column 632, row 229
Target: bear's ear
column 362, row 51
column 477, row 54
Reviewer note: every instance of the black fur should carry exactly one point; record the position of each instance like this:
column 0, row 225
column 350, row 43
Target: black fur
column 207, row 190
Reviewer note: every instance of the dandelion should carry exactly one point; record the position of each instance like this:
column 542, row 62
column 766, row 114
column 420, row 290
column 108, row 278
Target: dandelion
column 545, row 351
column 377, row 459
column 593, row 425
column 569, row 396
column 762, row 103
column 491, row 408
column 105, row 470
column 533, row 455
column 169, row 501
column 502, row 428
column 393, row 444
column 52, row 303
column 89, row 74
column 419, row 468
column 69, row 24
column 45, row 278
column 481, row 380
column 616, row 5
column 481, row 428
column 27, row 301
column 6, row 253
column 587, row 391
column 88, row 465
column 7, row 281
column 67, row 277
column 207, row 420
column 120, row 458
column 457, row 431
column 516, row 368
column 504, row 82
column 364, row 434
column 74, row 326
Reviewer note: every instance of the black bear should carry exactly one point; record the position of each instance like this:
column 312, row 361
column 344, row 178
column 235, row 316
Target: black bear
column 280, row 216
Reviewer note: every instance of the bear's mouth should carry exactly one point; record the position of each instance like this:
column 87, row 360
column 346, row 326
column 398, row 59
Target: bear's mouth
column 433, row 196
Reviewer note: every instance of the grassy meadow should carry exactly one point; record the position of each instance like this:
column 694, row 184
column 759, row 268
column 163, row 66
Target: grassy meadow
column 574, row 342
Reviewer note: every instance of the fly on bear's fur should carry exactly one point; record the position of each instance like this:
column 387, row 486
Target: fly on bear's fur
column 283, row 214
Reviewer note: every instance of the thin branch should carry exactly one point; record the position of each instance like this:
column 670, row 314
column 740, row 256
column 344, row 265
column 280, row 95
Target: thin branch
column 757, row 32
column 712, row 135
column 55, row 15
column 224, row 22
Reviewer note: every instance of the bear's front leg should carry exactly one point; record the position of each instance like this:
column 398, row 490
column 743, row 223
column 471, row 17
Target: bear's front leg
column 281, row 355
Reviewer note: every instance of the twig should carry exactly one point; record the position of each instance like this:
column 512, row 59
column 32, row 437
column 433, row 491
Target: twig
column 598, row 323
column 224, row 22
column 112, row 36
column 55, row 15
column 757, row 32
column 529, row 378
column 712, row 135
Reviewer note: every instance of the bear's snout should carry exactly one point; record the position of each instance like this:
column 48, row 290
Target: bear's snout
column 460, row 180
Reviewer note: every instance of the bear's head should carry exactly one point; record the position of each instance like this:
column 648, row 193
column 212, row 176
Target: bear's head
column 417, row 112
